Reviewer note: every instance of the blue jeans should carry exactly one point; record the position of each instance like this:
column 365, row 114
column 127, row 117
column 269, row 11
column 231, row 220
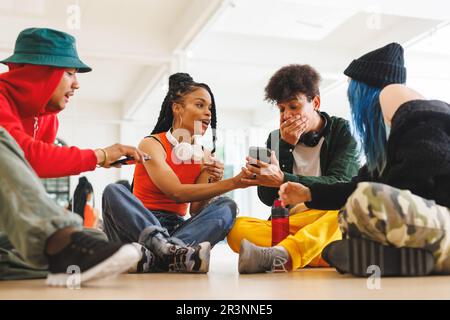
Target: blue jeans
column 125, row 219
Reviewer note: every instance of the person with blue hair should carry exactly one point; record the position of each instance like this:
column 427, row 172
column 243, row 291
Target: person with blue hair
column 395, row 215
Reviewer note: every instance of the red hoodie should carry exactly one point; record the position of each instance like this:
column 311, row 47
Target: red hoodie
column 24, row 93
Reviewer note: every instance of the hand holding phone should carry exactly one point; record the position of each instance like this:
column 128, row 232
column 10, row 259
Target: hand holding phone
column 127, row 161
column 266, row 171
column 260, row 153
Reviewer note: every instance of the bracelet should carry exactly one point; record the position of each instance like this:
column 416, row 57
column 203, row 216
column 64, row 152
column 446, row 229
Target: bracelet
column 101, row 164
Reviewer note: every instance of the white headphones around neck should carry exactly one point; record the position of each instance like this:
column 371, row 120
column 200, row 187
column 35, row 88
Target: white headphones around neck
column 185, row 151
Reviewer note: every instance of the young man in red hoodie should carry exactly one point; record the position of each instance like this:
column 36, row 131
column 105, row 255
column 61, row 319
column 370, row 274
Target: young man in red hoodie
column 40, row 81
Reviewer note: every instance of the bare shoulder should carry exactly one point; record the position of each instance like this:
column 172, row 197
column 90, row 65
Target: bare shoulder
column 152, row 147
column 393, row 96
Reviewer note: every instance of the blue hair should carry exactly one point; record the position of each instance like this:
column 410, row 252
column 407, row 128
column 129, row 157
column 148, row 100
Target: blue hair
column 369, row 123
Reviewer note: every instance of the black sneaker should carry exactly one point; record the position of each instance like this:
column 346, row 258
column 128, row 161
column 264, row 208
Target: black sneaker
column 173, row 256
column 356, row 255
column 92, row 258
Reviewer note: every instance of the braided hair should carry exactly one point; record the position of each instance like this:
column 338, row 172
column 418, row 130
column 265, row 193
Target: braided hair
column 83, row 189
column 181, row 84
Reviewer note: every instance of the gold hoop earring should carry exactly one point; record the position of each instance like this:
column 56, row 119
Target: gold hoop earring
column 181, row 122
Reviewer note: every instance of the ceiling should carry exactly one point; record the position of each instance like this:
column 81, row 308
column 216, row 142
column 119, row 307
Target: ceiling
column 234, row 46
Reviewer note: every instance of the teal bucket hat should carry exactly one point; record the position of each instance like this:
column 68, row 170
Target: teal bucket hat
column 48, row 47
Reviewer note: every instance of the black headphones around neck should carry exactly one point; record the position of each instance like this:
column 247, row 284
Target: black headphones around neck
column 312, row 139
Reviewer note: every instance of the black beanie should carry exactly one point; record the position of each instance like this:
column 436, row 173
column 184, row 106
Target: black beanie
column 380, row 67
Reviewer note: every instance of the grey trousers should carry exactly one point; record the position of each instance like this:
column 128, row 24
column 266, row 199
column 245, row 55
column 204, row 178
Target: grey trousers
column 28, row 217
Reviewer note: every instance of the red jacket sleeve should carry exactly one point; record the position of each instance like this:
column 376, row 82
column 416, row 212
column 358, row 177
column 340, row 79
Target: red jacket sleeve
column 47, row 159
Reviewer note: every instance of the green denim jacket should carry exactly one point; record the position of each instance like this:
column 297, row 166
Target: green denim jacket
column 338, row 158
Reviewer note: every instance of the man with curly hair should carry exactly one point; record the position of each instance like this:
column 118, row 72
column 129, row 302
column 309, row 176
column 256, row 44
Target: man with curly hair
column 312, row 147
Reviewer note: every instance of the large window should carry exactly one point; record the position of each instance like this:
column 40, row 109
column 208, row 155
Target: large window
column 58, row 188
column 232, row 148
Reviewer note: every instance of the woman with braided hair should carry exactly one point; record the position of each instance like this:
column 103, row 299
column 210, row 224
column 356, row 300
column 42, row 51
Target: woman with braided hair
column 181, row 174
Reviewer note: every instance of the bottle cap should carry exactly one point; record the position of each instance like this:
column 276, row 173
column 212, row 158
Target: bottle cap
column 278, row 203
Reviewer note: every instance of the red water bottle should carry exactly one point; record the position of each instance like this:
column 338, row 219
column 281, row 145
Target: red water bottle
column 280, row 222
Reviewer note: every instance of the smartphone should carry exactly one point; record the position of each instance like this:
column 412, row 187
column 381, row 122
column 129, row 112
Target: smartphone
column 127, row 160
column 260, row 153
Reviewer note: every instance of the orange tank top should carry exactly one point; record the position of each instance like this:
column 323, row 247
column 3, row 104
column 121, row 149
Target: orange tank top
column 149, row 194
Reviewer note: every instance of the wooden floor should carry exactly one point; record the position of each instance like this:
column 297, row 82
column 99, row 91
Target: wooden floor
column 224, row 282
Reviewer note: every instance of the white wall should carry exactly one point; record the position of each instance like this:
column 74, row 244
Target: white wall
column 335, row 102
column 131, row 133
column 91, row 125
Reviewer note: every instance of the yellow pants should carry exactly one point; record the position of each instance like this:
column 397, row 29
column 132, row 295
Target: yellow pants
column 310, row 231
